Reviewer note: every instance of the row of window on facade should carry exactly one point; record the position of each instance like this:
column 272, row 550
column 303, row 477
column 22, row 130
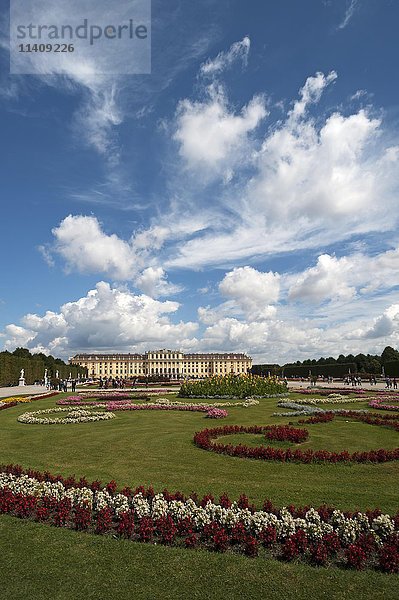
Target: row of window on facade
column 185, row 364
column 167, row 370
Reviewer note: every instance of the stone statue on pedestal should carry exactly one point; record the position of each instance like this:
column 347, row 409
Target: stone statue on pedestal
column 21, row 380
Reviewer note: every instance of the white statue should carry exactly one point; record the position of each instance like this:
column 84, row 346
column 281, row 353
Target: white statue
column 21, row 377
column 57, row 375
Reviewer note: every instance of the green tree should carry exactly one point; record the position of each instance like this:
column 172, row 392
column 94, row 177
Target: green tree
column 22, row 353
column 389, row 354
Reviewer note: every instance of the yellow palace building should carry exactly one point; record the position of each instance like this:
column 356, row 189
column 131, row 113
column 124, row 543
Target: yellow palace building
column 171, row 364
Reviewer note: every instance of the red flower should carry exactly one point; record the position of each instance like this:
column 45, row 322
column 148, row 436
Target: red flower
column 125, row 526
column 82, row 518
column 355, row 557
column 104, row 521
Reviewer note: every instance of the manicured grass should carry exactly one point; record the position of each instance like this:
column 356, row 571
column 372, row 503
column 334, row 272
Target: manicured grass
column 341, row 433
column 156, row 447
column 41, row 562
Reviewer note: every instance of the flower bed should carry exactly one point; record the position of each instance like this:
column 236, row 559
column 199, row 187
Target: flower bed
column 380, row 402
column 73, row 416
column 205, row 439
column 76, row 401
column 326, row 391
column 322, row 536
column 233, row 386
column 245, row 403
column 117, row 406
column 298, row 410
column 286, row 433
column 376, row 401
column 216, row 413
column 15, row 400
column 330, row 399
column 122, row 394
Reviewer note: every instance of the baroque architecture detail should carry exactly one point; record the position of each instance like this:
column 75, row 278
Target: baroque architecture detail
column 171, row 364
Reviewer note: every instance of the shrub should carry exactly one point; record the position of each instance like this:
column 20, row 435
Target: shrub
column 232, row 386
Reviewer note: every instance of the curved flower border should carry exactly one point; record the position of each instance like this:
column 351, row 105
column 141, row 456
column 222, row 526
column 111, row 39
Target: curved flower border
column 376, row 401
column 319, row 536
column 331, row 399
column 74, row 416
column 75, row 401
column 9, row 403
column 209, row 410
column 205, row 439
column 311, row 391
column 379, row 403
column 282, row 433
column 297, row 410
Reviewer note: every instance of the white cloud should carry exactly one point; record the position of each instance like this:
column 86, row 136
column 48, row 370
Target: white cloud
column 212, row 137
column 115, row 319
column 312, row 183
column 327, row 280
column 311, row 92
column 284, row 340
column 211, row 316
column 153, row 282
column 271, row 340
column 252, row 290
column 224, row 60
column 105, row 101
column 385, row 326
column 87, row 249
column 106, row 318
column 351, row 8
column 341, row 279
column 380, row 271
column 251, row 296
column 98, row 118
column 307, row 183
column 16, row 336
column 99, row 113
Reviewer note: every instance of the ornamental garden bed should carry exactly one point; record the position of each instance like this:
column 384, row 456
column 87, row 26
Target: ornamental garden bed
column 207, row 440
column 15, row 400
column 156, row 446
column 233, row 386
column 319, row 536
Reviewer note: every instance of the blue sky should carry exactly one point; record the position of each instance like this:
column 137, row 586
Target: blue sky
column 242, row 196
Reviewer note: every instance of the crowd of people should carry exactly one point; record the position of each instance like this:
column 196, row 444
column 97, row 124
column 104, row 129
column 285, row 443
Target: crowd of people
column 354, row 381
column 61, row 385
column 391, row 383
column 114, row 383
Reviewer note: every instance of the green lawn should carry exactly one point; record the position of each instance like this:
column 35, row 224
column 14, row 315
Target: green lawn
column 156, row 447
column 39, row 562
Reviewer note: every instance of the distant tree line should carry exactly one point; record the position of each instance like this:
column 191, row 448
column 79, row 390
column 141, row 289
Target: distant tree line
column 34, row 366
column 361, row 364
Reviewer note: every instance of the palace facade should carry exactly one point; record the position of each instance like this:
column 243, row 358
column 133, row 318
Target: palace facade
column 170, row 364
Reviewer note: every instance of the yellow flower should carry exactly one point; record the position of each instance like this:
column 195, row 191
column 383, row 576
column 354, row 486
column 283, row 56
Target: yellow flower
column 14, row 399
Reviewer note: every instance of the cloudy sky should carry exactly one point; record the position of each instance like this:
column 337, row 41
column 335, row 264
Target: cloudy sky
column 243, row 196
